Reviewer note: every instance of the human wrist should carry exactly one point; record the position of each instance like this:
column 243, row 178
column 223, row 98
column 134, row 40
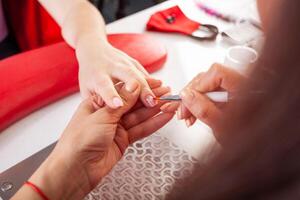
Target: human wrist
column 60, row 178
column 91, row 37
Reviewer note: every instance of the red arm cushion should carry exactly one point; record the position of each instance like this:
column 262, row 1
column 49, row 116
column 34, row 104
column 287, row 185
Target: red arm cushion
column 30, row 24
column 36, row 78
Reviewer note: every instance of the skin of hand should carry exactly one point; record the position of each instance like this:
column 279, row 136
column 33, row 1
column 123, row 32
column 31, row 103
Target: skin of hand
column 195, row 105
column 266, row 9
column 100, row 64
column 94, row 141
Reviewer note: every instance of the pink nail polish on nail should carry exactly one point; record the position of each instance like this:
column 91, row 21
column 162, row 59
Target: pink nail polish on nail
column 117, row 102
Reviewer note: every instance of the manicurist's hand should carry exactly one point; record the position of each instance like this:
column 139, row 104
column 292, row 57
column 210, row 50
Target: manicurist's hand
column 94, row 141
column 195, row 105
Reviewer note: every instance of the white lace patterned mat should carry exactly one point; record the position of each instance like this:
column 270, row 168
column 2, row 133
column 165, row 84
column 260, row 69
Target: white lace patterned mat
column 147, row 171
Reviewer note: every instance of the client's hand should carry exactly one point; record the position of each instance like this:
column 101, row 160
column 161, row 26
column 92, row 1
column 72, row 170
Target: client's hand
column 102, row 65
column 195, row 105
column 95, row 140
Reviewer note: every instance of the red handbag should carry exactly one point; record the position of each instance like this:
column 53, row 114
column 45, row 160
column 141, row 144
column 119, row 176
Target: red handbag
column 38, row 77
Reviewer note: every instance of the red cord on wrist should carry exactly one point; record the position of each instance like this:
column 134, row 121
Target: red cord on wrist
column 37, row 190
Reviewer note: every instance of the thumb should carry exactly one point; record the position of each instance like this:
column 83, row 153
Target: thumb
column 201, row 107
column 85, row 109
column 129, row 95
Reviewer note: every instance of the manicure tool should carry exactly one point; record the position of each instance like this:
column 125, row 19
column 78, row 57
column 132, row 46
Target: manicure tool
column 220, row 97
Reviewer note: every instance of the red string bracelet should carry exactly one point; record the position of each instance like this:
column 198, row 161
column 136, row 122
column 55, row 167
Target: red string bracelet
column 37, row 190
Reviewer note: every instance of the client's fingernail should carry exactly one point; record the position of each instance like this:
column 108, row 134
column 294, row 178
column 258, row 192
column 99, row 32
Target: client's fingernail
column 117, row 102
column 151, row 101
column 131, row 87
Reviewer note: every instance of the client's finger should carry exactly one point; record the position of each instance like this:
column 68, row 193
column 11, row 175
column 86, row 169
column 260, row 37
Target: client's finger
column 129, row 97
column 149, row 126
column 140, row 68
column 153, row 83
column 160, row 91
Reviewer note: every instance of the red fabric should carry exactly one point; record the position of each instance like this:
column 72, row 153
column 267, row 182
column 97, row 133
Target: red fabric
column 36, row 78
column 31, row 25
column 148, row 51
column 181, row 24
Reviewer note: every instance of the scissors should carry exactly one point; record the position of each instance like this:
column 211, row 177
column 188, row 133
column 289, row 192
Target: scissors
column 206, row 32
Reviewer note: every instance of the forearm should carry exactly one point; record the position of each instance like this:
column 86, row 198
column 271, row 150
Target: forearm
column 58, row 178
column 78, row 20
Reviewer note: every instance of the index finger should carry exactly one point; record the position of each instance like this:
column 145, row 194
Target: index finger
column 149, row 126
column 217, row 77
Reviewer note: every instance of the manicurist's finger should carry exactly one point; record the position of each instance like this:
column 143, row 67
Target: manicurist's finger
column 149, row 126
column 85, row 109
column 183, row 112
column 170, row 107
column 129, row 97
column 200, row 106
column 219, row 76
column 140, row 115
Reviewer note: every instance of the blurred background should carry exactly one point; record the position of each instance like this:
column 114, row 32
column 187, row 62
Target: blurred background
column 116, row 9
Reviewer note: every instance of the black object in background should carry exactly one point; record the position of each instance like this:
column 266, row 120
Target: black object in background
column 111, row 10
column 8, row 47
column 116, row 9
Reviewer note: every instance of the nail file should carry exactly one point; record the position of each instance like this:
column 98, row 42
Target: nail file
column 221, row 97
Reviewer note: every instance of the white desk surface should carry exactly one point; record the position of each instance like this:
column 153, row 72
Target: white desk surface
column 186, row 58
